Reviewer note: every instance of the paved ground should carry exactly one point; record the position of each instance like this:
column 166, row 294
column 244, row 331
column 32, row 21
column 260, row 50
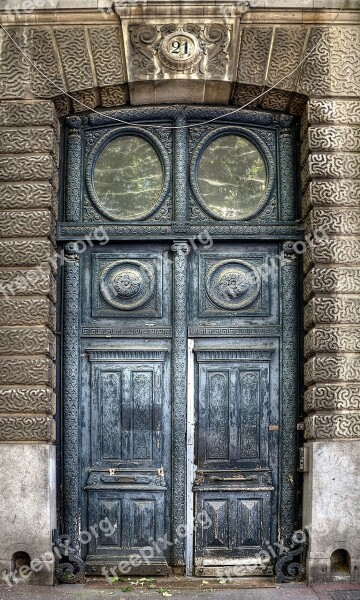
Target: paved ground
column 96, row 591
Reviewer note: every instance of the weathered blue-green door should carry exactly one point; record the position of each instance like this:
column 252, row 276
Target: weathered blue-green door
column 180, row 340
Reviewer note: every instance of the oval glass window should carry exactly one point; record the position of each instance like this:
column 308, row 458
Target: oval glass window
column 128, row 178
column 232, row 178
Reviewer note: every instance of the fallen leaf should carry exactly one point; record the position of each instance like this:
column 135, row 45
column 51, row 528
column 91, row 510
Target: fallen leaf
column 204, row 582
column 167, row 595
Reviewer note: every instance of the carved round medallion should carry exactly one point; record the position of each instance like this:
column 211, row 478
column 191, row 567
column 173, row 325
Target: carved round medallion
column 232, row 284
column 127, row 284
column 180, row 50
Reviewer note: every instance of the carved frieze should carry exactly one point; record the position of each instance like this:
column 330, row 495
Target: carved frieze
column 74, row 53
column 27, row 113
column 18, row 223
column 84, row 99
column 286, row 52
column 333, row 397
column 27, row 311
column 333, row 221
column 27, row 428
column 334, row 309
column 30, row 340
column 332, row 339
column 340, row 367
column 27, row 371
column 342, row 279
column 338, row 250
column 334, row 192
column 254, row 54
column 32, row 166
column 14, row 253
column 27, row 282
column 106, row 52
column 27, row 400
column 201, row 49
column 344, row 425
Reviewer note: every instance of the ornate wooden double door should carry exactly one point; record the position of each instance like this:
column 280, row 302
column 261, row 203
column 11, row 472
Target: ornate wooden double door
column 180, row 354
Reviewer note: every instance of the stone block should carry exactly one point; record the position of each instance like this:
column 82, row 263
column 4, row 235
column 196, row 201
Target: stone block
column 26, row 195
column 286, row 52
column 26, row 282
column 27, row 371
column 342, row 396
column 26, row 167
column 27, row 311
column 17, row 253
column 336, row 250
column 17, row 223
column 28, row 504
column 331, row 499
column 334, row 139
column 75, row 57
column 332, row 339
column 27, row 139
column 333, row 309
column 27, row 400
column 113, row 95
column 30, row 340
column 335, row 221
column 254, row 54
column 327, row 368
column 332, row 112
column 107, row 56
column 27, row 428
column 342, row 280
column 332, row 193
column 27, row 113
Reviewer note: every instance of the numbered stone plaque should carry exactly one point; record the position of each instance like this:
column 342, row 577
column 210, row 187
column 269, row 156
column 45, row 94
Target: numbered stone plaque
column 180, row 50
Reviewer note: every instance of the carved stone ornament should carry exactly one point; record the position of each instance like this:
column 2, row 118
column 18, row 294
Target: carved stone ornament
column 179, row 50
column 158, row 49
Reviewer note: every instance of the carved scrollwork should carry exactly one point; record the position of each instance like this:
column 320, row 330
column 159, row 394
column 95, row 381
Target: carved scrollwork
column 69, row 567
column 324, row 369
column 333, row 397
column 290, row 570
column 159, row 49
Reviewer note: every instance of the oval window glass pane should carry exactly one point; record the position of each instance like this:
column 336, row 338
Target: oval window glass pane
column 232, row 178
column 128, row 178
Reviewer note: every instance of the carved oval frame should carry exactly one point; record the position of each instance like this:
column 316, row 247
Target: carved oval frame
column 259, row 145
column 98, row 148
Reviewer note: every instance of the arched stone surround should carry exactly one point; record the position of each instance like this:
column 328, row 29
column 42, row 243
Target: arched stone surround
column 88, row 54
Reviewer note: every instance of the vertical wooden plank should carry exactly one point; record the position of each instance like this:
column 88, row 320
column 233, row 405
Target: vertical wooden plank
column 217, row 427
column 142, row 392
column 249, row 434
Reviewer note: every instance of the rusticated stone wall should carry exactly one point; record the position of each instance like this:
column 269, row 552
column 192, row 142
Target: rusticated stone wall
column 331, row 183
column 29, row 147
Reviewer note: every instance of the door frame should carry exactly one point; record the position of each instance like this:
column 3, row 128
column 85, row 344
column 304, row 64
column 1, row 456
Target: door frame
column 72, row 230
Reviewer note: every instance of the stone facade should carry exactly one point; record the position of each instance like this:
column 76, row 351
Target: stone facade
column 103, row 58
